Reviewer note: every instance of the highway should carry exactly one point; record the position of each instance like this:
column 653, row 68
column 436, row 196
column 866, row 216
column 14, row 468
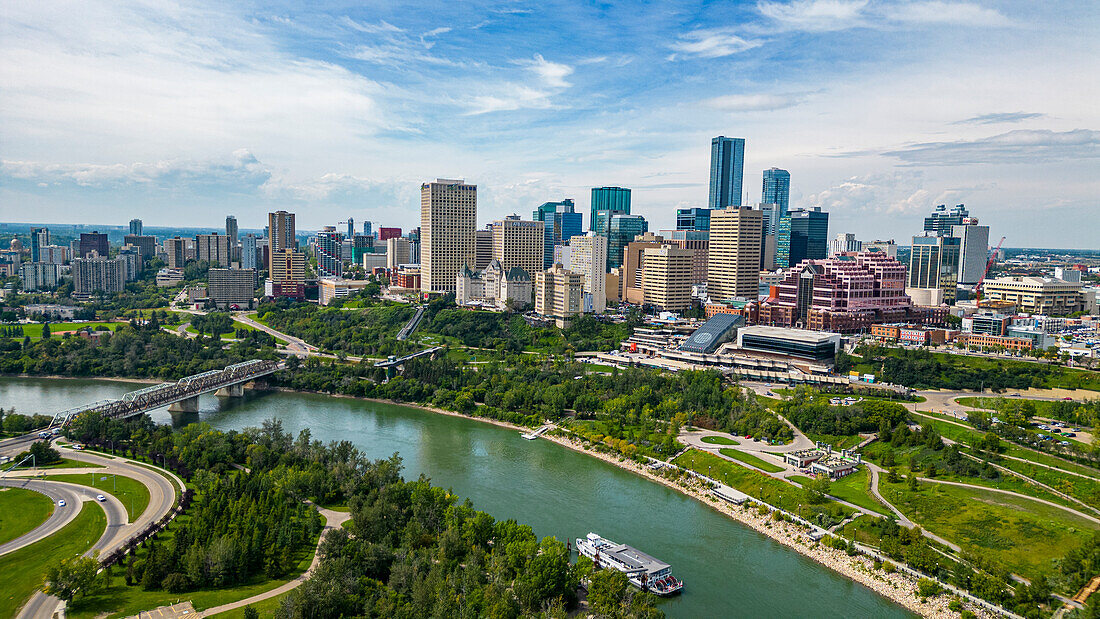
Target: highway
column 60, row 517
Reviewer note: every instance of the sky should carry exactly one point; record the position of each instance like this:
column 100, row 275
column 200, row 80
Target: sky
column 182, row 113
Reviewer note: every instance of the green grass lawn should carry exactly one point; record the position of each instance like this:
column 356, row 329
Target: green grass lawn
column 750, row 459
column 132, row 493
column 25, row 568
column 232, row 335
column 22, row 510
column 118, row 600
column 856, row 489
column 34, row 331
column 1020, row 534
column 66, row 463
column 837, row 441
column 265, row 608
column 755, row 484
column 719, row 440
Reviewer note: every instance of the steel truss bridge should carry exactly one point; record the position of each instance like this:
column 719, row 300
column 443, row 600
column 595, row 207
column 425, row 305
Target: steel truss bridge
column 181, row 395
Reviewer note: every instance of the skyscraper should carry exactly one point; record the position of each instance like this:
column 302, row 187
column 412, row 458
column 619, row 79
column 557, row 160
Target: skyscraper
column 621, row 230
column 727, row 171
column 666, row 281
column 231, row 230
column 941, row 220
column 351, row 228
column 448, row 218
column 934, row 264
column 973, row 251
column 777, row 189
column 248, row 252
column 281, row 232
column 329, row 263
column 519, row 243
column 40, row 237
column 733, row 263
column 588, row 256
column 803, row 235
column 562, row 223
column 606, row 199
column 367, row 230
column 693, row 219
column 136, row 227
column 213, row 248
column 92, row 241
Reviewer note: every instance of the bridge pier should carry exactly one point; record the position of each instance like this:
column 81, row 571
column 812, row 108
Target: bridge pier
column 231, row 391
column 186, row 405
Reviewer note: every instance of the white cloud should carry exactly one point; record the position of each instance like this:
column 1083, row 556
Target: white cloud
column 434, row 32
column 999, row 117
column 1018, row 146
column 240, row 171
column 814, row 15
column 938, row 12
column 710, row 44
column 552, row 74
column 755, row 103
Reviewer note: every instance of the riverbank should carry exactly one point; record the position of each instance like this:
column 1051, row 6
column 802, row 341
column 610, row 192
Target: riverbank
column 113, row 379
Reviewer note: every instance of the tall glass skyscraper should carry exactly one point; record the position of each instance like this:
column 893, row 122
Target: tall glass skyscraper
column 608, row 199
column 941, row 219
column 693, row 219
column 621, row 230
column 727, row 171
column 562, row 223
column 777, row 189
column 803, row 235
column 136, row 227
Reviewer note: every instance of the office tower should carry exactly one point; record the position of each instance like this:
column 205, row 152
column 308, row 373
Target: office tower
column 562, row 221
column 695, row 240
column 483, row 247
column 231, row 288
column 588, row 256
column 231, row 230
column 176, row 251
column 941, row 220
column 360, row 245
column 40, row 237
column 519, row 243
column 693, row 219
column 803, row 235
column 414, row 249
column 131, row 255
column 973, row 251
column 844, row 242
column 727, row 171
column 351, row 229
column 248, row 252
column 606, row 199
column 38, row 275
column 213, row 248
column 397, row 252
column 733, row 263
column 136, row 227
column 632, row 271
column 890, row 248
column 93, row 241
column 146, row 244
column 777, row 189
column 622, row 230
column 666, row 282
column 281, row 232
column 448, row 218
column 329, row 261
column 934, row 265
column 559, row 294
column 384, row 234
column 367, row 229
column 98, row 273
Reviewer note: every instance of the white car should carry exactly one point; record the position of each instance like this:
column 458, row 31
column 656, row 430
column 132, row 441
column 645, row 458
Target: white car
column 61, row 503
column 100, row 498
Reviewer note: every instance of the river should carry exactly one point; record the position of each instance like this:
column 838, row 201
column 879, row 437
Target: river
column 728, row 569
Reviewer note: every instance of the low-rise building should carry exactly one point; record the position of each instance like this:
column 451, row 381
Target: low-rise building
column 49, row 310
column 330, row 288
column 816, row 346
column 166, row 278
column 1037, row 295
column 975, row 340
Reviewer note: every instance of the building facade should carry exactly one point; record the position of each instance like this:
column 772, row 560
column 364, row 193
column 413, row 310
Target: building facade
column 697, row 219
column 213, row 248
column 934, row 265
column 1036, row 295
column 845, row 242
column 733, row 260
column 559, row 294
column 329, row 248
column 93, row 241
column 727, row 172
column 941, row 220
column 281, row 233
column 666, row 282
column 777, row 189
column 588, row 257
column 973, row 251
column 448, row 218
column 622, row 229
column 137, row 228
column 695, row 240
column 803, row 235
column 397, row 252
column 562, row 223
column 607, row 200
column 39, row 275
column 519, row 243
column 231, row 288
column 248, row 252
column 98, row 274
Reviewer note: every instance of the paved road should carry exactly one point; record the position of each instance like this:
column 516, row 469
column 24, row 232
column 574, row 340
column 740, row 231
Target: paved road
column 294, row 345
column 1011, row 493
column 57, row 520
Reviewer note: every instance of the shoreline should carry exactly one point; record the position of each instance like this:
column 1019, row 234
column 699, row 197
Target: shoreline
column 898, row 587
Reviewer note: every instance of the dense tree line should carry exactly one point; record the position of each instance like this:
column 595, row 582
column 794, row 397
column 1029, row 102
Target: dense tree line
column 921, row 369
column 355, row 332
column 817, row 417
column 132, row 350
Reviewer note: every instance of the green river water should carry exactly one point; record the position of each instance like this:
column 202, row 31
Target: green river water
column 728, row 569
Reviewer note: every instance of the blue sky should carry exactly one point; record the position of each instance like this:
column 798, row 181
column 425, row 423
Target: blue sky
column 183, row 113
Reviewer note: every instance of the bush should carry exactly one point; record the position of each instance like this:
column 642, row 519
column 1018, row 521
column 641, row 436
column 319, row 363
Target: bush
column 175, row 583
column 889, row 568
column 955, row 605
column 928, row 588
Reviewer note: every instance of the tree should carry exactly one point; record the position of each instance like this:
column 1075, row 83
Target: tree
column 45, row 330
column 606, row 590
column 817, row 489
column 72, row 577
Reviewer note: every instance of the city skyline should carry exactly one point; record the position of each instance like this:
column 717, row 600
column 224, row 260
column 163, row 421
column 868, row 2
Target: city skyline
column 329, row 114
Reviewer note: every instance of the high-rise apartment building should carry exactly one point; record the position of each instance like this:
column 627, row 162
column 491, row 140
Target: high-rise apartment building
column 231, row 230
column 93, row 241
column 727, row 171
column 605, row 199
column 973, row 251
column 941, row 220
column 562, row 221
column 248, row 252
column 176, row 251
column 559, row 294
column 693, row 219
column 666, row 283
column 733, row 263
column 137, row 228
column 98, row 273
column 38, row 275
column 803, row 235
column 698, row 242
column 146, row 244
column 621, row 231
column 448, row 218
column 519, row 243
column 40, row 237
column 397, row 252
column 483, row 248
column 777, row 189
column 288, row 265
column 213, row 248
column 632, row 271
column 280, row 232
column 328, row 250
column 232, row 288
column 843, row 243
column 588, row 257
column 934, row 265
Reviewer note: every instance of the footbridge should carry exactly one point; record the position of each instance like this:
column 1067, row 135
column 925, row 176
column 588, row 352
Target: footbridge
column 394, row 362
column 182, row 395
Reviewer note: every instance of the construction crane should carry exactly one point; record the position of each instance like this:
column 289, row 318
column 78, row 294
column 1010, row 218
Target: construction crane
column 977, row 289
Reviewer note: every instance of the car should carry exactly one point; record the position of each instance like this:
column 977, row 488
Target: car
column 43, row 435
column 1064, row 443
column 61, row 502
column 1069, row 434
column 748, row 436
column 100, row 498
column 1068, row 399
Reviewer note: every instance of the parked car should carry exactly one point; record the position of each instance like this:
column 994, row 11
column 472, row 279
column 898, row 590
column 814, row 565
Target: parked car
column 1069, row 434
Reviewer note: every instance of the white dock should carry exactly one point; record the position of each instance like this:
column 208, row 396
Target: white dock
column 537, row 433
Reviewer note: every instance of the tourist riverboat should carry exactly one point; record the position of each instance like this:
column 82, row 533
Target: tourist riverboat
column 642, row 570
